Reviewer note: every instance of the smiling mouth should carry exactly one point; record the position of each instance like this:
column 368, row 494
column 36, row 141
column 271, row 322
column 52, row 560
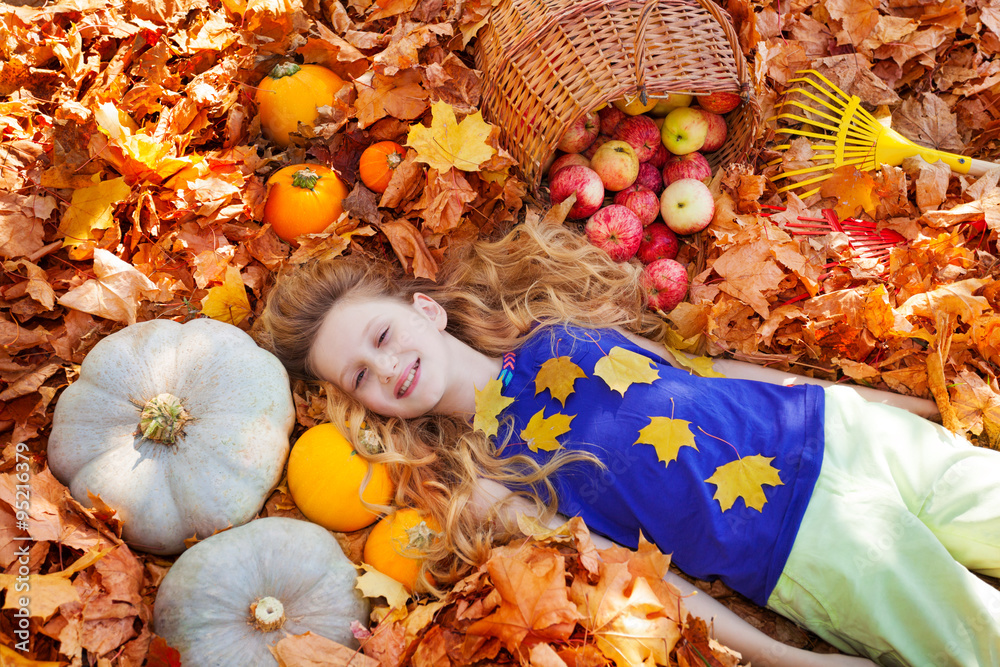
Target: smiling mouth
column 405, row 387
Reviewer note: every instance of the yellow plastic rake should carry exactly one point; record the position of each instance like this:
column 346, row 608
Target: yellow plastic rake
column 851, row 137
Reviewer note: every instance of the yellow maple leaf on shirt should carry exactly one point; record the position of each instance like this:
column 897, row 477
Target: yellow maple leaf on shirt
column 448, row 143
column 667, row 436
column 541, row 431
column 558, row 375
column 620, row 368
column 489, row 404
column 745, row 478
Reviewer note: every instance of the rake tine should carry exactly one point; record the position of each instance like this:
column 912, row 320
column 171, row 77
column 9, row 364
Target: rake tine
column 815, row 98
column 861, row 116
column 837, row 91
column 811, row 170
column 806, row 107
column 805, row 133
column 803, row 195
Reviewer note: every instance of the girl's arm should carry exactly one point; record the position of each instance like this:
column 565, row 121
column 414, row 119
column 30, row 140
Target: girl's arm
column 730, row 629
column 740, row 370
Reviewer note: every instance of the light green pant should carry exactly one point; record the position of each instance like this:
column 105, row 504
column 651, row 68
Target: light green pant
column 901, row 508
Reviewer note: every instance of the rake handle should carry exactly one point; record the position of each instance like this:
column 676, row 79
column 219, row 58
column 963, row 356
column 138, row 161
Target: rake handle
column 980, row 167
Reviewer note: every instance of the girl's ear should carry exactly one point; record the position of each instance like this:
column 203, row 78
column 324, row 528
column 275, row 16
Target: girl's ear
column 431, row 309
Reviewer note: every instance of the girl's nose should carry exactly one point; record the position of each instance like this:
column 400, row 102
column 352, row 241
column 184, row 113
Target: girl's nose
column 385, row 366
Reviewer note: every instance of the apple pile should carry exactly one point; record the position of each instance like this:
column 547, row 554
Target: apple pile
column 648, row 160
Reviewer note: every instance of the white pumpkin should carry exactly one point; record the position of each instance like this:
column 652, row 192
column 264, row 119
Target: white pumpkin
column 228, row 598
column 182, row 428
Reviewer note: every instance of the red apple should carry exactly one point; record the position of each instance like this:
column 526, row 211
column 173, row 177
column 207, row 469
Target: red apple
column 641, row 133
column 666, row 284
column 616, row 230
column 600, row 141
column 580, row 133
column 687, row 206
column 693, row 165
column 650, row 177
column 659, row 157
column 617, row 164
column 568, row 160
column 610, row 117
column 583, row 181
column 723, row 102
column 717, row 131
column 641, row 201
column 658, row 242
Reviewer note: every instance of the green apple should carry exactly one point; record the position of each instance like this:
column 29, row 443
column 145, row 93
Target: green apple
column 684, row 130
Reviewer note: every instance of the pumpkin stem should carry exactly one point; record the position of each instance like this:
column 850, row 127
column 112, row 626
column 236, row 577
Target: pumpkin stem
column 420, row 537
column 282, row 70
column 305, row 178
column 163, row 418
column 394, row 159
column 267, row 614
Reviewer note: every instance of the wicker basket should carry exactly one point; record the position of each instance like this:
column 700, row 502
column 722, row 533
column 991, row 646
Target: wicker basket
column 546, row 62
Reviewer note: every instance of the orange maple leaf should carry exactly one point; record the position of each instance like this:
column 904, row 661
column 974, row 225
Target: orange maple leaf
column 854, row 190
column 534, row 600
column 629, row 621
column 558, row 376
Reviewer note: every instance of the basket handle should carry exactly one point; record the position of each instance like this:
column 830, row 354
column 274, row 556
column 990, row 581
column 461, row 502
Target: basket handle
column 721, row 17
column 725, row 21
column 639, row 50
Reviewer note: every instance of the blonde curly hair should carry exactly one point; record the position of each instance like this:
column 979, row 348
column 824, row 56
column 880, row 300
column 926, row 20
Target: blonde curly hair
column 494, row 293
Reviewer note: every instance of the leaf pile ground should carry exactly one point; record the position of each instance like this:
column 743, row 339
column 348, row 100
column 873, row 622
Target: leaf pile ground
column 552, row 599
column 133, row 177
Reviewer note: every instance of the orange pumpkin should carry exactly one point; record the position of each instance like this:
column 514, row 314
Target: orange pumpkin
column 397, row 544
column 378, row 161
column 291, row 94
column 324, row 479
column 303, row 199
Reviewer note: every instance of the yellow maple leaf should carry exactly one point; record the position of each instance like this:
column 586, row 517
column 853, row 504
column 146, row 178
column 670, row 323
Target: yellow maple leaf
column 702, row 366
column 745, row 478
column 227, row 302
column 448, row 143
column 541, row 431
column 90, row 209
column 620, row 368
column 977, row 405
column 141, row 156
column 558, row 375
column 667, row 436
column 489, row 404
column 374, row 584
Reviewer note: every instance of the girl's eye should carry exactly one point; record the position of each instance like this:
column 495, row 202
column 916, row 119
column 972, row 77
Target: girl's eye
column 359, row 378
column 381, row 338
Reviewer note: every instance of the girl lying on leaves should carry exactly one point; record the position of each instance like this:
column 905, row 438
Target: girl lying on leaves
column 527, row 379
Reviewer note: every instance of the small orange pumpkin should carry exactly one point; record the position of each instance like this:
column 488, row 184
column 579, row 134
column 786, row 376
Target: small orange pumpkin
column 324, row 479
column 378, row 161
column 303, row 199
column 397, row 544
column 291, row 94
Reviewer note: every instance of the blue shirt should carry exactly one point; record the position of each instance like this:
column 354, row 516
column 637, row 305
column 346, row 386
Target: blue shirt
column 716, row 472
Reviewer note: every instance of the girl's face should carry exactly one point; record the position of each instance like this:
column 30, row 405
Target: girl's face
column 389, row 354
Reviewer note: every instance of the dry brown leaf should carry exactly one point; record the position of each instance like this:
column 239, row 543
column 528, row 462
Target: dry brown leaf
column 310, row 650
